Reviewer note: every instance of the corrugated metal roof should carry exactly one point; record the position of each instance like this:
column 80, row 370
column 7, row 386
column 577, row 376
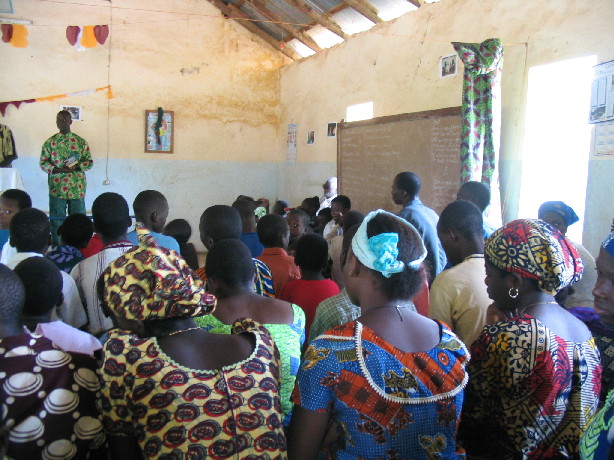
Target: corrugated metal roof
column 348, row 19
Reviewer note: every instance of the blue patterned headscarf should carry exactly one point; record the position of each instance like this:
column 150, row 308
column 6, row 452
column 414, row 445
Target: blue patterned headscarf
column 560, row 208
column 608, row 244
column 380, row 251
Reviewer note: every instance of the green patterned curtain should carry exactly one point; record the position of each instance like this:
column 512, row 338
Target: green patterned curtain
column 481, row 111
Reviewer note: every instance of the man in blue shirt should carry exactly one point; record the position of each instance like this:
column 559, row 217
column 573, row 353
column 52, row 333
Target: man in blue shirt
column 405, row 191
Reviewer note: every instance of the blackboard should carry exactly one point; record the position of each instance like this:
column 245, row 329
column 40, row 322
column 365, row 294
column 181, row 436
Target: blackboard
column 371, row 153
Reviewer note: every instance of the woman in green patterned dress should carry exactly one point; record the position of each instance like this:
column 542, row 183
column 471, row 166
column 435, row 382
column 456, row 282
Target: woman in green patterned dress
column 230, row 272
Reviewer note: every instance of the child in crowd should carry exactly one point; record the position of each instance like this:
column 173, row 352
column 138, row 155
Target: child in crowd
column 221, row 222
column 75, row 234
column 246, row 206
column 274, row 234
column 312, row 288
column 281, row 208
column 298, row 221
column 30, row 235
column 335, row 248
column 42, row 281
column 111, row 221
column 311, row 206
column 180, row 230
column 151, row 210
column 324, row 217
column 11, row 201
column 340, row 205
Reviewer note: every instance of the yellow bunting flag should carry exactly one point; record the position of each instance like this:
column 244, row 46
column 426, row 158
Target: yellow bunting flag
column 89, row 38
column 20, row 36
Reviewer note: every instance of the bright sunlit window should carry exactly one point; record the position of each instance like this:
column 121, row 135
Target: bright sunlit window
column 557, row 138
column 360, row 112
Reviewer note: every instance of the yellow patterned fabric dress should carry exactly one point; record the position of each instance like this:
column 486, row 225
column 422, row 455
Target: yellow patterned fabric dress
column 531, row 393
column 178, row 412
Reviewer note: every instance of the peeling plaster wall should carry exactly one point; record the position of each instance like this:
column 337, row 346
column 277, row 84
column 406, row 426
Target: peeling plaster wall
column 221, row 81
column 395, row 65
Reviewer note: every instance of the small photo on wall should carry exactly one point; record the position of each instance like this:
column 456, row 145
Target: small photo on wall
column 331, row 131
column 75, row 111
column 448, row 65
column 311, row 137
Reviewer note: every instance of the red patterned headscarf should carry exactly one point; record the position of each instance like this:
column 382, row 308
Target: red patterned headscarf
column 534, row 249
column 149, row 282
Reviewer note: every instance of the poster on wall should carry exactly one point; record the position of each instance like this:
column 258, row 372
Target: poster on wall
column 159, row 133
column 448, row 65
column 291, row 143
column 602, row 93
column 75, row 111
column 331, row 130
column 604, row 138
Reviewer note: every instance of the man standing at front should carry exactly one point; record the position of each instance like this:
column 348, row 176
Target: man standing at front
column 65, row 157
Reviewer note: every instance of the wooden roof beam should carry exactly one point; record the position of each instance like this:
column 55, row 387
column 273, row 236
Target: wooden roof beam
column 416, row 3
column 366, row 9
column 235, row 13
column 300, row 36
column 325, row 20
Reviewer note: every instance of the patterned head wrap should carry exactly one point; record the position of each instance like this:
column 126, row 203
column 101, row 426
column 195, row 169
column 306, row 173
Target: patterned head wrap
column 608, row 244
column 149, row 282
column 560, row 208
column 536, row 250
column 380, row 251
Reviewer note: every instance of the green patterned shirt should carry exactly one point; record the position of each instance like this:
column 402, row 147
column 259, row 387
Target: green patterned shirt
column 56, row 150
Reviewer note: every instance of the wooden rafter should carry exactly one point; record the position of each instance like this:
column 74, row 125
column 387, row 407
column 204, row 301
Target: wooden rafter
column 325, row 20
column 416, row 3
column 366, row 9
column 297, row 34
column 233, row 12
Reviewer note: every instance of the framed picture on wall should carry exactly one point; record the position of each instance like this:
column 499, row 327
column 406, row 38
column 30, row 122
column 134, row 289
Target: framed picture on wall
column 75, row 111
column 448, row 65
column 159, row 133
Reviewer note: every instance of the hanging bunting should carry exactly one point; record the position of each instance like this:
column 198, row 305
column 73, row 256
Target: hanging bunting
column 5, row 105
column 15, row 34
column 87, row 36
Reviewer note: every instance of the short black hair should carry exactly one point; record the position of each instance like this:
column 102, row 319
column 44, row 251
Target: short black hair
column 270, row 229
column 479, row 192
column 221, row 222
column 406, row 284
column 42, row 281
column 348, row 235
column 326, row 213
column 280, row 207
column 352, row 218
column 311, row 252
column 179, row 229
column 230, row 262
column 30, row 230
column 409, row 182
column 245, row 207
column 76, row 230
column 343, row 201
column 313, row 203
column 464, row 217
column 301, row 215
column 148, row 201
column 111, row 215
column 12, row 296
column 22, row 199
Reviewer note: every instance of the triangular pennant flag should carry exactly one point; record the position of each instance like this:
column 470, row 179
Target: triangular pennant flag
column 101, row 33
column 20, row 36
column 72, row 33
column 89, row 39
column 7, row 32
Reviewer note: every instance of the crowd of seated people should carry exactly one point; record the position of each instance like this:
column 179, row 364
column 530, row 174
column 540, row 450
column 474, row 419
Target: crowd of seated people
column 306, row 332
